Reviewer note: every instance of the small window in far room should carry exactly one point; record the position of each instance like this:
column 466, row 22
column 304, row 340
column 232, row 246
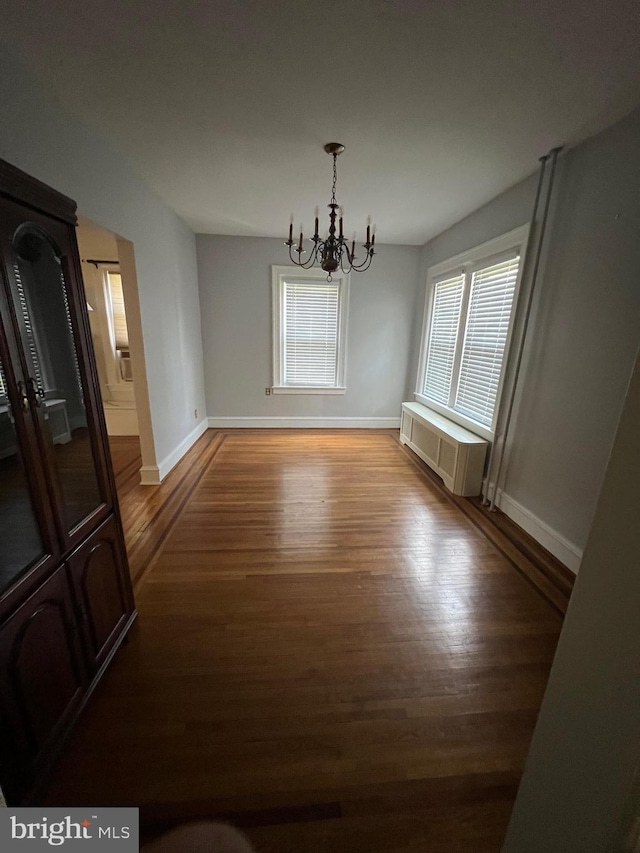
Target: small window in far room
column 309, row 331
column 118, row 315
column 118, row 325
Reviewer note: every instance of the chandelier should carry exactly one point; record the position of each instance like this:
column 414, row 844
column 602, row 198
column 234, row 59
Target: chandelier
column 333, row 252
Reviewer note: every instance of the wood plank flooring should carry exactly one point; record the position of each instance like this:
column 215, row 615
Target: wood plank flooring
column 328, row 653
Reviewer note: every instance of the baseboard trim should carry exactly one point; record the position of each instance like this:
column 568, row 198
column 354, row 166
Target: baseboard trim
column 153, row 475
column 561, row 548
column 304, row 423
column 149, row 475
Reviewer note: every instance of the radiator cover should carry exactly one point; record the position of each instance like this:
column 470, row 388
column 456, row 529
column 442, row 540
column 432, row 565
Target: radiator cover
column 455, row 453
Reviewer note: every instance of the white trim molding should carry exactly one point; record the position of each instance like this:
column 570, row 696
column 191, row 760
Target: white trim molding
column 299, row 389
column 304, row 423
column 561, row 548
column 153, row 475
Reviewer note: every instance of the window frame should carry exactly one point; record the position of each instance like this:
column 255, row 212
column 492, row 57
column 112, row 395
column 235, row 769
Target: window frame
column 469, row 262
column 279, row 276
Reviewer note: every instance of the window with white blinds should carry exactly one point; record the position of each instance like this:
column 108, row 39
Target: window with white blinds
column 485, row 339
column 118, row 315
column 467, row 330
column 3, row 387
column 308, row 333
column 445, row 320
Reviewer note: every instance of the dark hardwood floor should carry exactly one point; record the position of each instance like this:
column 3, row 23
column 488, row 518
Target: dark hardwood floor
column 328, row 653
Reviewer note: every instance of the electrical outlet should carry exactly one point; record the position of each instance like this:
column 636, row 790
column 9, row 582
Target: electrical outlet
column 195, row 414
column 267, row 391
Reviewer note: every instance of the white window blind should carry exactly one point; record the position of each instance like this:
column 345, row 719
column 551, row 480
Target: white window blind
column 443, row 336
column 488, row 319
column 310, row 326
column 120, row 330
column 3, row 387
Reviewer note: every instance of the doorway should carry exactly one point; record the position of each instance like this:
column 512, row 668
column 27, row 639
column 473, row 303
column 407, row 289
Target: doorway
column 108, row 269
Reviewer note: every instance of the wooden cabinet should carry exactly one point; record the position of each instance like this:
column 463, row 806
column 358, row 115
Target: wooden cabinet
column 65, row 592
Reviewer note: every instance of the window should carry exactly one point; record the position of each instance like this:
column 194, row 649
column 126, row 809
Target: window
column 309, row 328
column 3, row 387
column 118, row 316
column 468, row 322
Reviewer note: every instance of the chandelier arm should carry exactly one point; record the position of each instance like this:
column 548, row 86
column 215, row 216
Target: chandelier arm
column 342, row 267
column 365, row 264
column 313, row 257
column 293, row 260
column 299, row 262
column 310, row 260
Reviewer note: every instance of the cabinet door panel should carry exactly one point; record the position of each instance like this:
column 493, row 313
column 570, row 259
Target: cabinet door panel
column 56, row 385
column 21, row 541
column 101, row 586
column 28, row 544
column 42, row 677
column 39, row 258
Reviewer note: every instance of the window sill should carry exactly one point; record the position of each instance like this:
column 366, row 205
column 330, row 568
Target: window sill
column 298, row 389
column 455, row 417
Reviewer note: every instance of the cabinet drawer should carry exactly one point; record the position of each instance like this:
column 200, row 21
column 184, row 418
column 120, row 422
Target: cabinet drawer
column 102, row 590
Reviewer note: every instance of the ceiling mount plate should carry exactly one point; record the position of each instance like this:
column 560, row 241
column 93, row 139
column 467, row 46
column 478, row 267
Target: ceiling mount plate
column 334, row 148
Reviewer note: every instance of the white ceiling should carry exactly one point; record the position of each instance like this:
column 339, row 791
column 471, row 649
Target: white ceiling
column 224, row 105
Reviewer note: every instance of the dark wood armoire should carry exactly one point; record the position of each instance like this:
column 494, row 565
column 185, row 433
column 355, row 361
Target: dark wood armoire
column 66, row 601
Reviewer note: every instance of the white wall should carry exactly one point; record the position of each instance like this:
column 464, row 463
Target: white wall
column 580, row 785
column 584, row 334
column 235, row 293
column 38, row 137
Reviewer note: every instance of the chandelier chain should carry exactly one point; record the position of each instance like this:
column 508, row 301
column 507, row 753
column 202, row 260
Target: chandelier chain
column 335, row 179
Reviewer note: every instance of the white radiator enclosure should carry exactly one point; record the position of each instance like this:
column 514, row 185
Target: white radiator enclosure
column 454, row 453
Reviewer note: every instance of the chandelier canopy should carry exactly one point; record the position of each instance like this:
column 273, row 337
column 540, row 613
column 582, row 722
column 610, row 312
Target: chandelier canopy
column 332, row 253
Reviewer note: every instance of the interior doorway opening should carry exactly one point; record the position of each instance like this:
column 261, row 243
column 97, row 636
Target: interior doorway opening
column 111, row 289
